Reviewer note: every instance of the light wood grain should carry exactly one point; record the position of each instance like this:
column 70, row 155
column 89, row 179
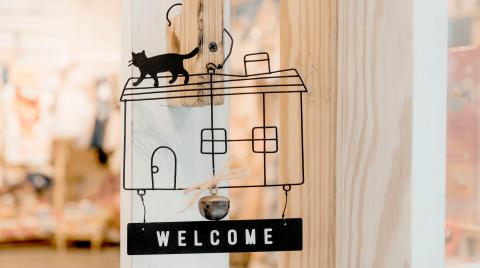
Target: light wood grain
column 60, row 159
column 199, row 23
column 391, row 133
column 365, row 202
column 375, row 75
column 308, row 42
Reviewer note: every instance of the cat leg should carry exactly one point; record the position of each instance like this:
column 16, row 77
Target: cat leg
column 139, row 80
column 185, row 73
column 155, row 78
column 174, row 78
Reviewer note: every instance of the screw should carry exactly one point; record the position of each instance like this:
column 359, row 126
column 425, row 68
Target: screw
column 212, row 47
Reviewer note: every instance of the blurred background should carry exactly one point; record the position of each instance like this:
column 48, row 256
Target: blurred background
column 59, row 130
column 463, row 135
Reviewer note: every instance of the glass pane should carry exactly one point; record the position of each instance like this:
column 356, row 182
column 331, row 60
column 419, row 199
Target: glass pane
column 463, row 140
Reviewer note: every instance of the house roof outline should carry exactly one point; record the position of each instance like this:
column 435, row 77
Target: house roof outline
column 276, row 82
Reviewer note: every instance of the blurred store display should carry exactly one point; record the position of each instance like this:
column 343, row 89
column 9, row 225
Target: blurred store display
column 463, row 134
column 60, row 120
column 59, row 64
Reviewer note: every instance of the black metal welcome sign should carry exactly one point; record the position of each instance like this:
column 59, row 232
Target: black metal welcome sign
column 214, row 237
column 214, row 141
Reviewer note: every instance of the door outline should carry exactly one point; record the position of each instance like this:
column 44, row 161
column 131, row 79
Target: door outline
column 152, row 166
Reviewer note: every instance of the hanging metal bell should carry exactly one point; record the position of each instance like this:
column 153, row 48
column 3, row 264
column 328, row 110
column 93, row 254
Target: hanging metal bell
column 214, row 207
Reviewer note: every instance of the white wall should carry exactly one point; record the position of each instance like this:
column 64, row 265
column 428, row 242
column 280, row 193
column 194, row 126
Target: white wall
column 429, row 133
column 154, row 124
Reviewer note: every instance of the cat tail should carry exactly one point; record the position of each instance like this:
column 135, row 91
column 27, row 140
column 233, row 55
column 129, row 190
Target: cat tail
column 191, row 54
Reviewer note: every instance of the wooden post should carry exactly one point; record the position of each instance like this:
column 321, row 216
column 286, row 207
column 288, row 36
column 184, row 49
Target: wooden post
column 308, row 43
column 374, row 131
column 151, row 124
column 60, row 159
column 199, row 24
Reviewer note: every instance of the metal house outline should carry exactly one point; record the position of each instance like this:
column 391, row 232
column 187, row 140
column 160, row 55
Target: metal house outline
column 285, row 81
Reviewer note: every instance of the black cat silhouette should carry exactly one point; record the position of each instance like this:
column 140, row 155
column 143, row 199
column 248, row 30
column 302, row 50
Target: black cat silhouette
column 170, row 62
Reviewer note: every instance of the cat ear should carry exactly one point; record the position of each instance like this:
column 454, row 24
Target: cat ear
column 143, row 52
column 133, row 53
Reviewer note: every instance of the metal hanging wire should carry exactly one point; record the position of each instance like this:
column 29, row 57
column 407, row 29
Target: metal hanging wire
column 142, row 193
column 286, row 189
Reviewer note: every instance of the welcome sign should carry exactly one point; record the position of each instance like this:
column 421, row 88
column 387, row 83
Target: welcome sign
column 214, row 237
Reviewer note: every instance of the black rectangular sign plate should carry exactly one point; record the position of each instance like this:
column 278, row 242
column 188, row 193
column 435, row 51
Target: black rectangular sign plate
column 214, row 236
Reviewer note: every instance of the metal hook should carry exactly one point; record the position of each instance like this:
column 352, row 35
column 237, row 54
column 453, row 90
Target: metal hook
column 168, row 12
column 211, row 67
column 220, row 66
column 286, row 188
column 230, row 50
column 142, row 193
column 214, row 189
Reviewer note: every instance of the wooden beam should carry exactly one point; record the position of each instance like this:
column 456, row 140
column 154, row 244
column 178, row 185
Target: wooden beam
column 391, row 119
column 309, row 43
column 199, row 24
column 374, row 131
